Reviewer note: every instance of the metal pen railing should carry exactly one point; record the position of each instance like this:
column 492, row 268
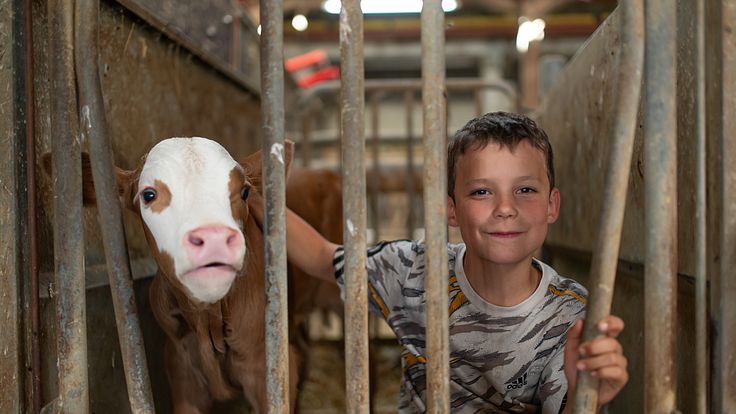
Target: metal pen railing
column 94, row 129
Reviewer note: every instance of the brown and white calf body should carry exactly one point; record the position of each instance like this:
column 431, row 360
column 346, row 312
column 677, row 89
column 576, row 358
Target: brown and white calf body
column 208, row 295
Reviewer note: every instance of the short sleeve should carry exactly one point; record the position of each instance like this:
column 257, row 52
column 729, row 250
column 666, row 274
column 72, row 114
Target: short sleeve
column 388, row 265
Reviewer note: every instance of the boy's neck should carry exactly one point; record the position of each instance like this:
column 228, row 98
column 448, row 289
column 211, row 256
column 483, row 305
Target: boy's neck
column 502, row 285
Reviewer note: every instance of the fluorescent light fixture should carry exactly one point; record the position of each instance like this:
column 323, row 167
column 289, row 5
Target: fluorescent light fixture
column 300, row 23
column 529, row 31
column 387, row 6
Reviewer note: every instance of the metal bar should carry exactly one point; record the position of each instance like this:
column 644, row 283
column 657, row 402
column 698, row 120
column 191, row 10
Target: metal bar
column 375, row 153
column 307, row 126
column 68, row 233
column 410, row 188
column 272, row 109
column 701, row 264
column 605, row 256
column 390, row 85
column 354, row 205
column 435, row 205
column 660, row 154
column 727, row 334
column 30, row 123
column 94, row 128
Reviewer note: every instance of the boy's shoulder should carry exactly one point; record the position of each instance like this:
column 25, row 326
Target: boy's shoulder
column 562, row 290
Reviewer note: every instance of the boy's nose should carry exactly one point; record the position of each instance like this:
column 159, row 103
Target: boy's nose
column 505, row 208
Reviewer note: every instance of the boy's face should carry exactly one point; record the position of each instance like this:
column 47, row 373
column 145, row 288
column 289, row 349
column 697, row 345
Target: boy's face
column 503, row 202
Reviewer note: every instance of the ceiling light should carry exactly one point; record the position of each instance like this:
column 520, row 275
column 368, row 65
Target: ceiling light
column 529, row 31
column 387, row 6
column 300, row 23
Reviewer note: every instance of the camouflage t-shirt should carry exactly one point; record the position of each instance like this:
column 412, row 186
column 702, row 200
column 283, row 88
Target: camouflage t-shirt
column 502, row 359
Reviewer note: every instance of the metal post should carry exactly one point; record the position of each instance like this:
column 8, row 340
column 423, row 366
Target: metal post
column 354, row 205
column 701, row 303
column 660, row 151
column 605, row 256
column 410, row 190
column 272, row 104
column 94, row 128
column 376, row 175
column 68, row 234
column 727, row 335
column 435, row 205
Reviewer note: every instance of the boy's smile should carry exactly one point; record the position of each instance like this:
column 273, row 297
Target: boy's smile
column 502, row 204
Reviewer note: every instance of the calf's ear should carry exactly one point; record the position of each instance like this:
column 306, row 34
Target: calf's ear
column 127, row 181
column 253, row 167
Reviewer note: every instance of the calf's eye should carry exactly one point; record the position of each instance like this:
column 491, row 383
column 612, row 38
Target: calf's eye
column 244, row 192
column 148, row 195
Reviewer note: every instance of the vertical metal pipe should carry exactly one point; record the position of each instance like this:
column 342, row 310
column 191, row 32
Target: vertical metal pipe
column 660, row 153
column 30, row 124
column 701, row 315
column 435, row 205
column 354, row 205
column 307, row 126
column 376, row 167
column 727, row 335
column 605, row 256
column 410, row 188
column 93, row 126
column 68, row 235
column 272, row 104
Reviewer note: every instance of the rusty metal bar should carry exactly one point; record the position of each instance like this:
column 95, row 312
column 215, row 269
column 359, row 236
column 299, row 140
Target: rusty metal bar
column 375, row 156
column 392, row 85
column 660, row 160
column 435, row 205
column 410, row 188
column 68, row 233
column 701, row 264
column 354, row 205
column 30, row 141
column 93, row 127
column 727, row 334
column 307, row 126
column 272, row 109
column 605, row 256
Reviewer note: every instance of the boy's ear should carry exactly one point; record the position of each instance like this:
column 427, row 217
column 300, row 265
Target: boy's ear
column 553, row 210
column 127, row 180
column 451, row 218
column 252, row 164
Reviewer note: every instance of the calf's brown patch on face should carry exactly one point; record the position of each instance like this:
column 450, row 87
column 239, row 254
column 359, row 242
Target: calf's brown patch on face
column 238, row 206
column 163, row 197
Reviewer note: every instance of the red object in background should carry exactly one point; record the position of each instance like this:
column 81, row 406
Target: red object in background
column 311, row 68
column 324, row 74
column 315, row 57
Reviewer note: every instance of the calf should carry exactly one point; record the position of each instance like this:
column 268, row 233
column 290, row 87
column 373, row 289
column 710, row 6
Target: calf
column 208, row 295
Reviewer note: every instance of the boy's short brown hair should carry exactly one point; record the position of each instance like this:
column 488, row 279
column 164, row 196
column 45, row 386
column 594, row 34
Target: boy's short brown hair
column 504, row 128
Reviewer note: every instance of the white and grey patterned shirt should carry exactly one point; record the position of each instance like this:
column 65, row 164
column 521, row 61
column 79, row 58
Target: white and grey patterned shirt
column 502, row 359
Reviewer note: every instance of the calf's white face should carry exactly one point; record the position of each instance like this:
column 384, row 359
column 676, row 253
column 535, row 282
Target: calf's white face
column 189, row 193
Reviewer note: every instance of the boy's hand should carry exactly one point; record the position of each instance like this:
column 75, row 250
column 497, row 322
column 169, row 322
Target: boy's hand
column 602, row 357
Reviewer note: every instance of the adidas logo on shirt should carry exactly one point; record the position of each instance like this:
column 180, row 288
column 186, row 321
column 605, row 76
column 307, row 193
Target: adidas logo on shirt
column 517, row 383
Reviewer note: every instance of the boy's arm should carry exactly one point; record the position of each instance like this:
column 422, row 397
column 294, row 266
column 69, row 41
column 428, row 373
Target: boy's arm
column 305, row 247
column 603, row 357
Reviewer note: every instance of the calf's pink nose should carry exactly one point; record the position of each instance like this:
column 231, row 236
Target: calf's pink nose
column 216, row 243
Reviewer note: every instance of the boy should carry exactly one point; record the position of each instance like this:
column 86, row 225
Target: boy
column 509, row 312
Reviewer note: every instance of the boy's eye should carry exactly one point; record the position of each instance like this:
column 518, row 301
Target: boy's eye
column 527, row 190
column 480, row 192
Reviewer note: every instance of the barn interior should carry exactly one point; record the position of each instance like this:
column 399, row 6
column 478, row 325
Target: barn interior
column 175, row 68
